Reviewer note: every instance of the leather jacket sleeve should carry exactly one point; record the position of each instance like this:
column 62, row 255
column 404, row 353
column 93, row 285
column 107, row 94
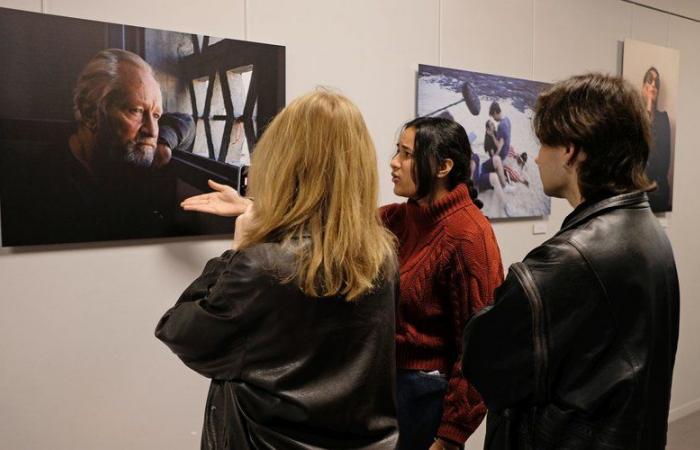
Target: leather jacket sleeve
column 498, row 348
column 530, row 333
column 206, row 328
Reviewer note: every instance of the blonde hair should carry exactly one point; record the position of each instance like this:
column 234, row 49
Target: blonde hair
column 314, row 178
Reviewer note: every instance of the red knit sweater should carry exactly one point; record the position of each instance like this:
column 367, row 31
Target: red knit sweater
column 450, row 265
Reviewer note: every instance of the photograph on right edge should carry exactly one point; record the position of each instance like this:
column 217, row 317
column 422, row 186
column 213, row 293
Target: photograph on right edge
column 654, row 70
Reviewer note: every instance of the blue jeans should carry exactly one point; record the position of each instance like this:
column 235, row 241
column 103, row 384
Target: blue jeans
column 419, row 400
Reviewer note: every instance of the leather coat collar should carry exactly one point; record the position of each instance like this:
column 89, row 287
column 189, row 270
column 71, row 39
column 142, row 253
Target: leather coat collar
column 630, row 199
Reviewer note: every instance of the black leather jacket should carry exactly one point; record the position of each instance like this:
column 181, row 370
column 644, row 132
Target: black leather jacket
column 288, row 371
column 578, row 349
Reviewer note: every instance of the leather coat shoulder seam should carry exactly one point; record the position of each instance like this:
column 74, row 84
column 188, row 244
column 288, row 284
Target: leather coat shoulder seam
column 539, row 330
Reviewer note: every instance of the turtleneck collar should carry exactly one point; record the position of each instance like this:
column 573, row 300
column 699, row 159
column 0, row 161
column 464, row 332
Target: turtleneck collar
column 434, row 212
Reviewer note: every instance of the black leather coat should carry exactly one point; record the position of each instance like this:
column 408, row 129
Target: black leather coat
column 578, row 349
column 288, row 371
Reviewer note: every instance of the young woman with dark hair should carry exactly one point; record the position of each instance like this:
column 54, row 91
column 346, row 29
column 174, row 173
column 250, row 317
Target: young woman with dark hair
column 450, row 265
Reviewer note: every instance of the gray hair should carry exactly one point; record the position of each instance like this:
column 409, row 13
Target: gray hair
column 99, row 78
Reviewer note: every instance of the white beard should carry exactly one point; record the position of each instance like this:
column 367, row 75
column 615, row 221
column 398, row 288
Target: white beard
column 141, row 156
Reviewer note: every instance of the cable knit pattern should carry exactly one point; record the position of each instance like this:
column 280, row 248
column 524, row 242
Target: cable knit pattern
column 450, row 266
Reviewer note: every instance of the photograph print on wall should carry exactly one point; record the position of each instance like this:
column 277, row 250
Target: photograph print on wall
column 105, row 128
column 496, row 112
column 654, row 70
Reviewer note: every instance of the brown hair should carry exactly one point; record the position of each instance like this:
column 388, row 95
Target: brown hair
column 604, row 117
column 314, row 178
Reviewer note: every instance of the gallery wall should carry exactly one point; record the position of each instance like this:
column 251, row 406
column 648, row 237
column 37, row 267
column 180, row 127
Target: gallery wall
column 80, row 368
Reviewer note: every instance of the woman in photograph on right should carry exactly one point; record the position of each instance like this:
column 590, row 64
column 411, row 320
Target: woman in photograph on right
column 659, row 165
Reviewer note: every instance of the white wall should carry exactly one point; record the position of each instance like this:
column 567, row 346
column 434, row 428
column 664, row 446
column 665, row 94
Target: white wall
column 687, row 8
column 80, row 368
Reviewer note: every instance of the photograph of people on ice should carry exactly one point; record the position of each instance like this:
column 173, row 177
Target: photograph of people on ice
column 496, row 112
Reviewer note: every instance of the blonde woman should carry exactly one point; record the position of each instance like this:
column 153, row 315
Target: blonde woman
column 295, row 324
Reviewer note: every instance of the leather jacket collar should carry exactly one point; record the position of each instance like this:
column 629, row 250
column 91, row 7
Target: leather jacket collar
column 630, row 199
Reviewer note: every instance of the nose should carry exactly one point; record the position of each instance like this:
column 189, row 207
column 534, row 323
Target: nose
column 149, row 127
column 394, row 163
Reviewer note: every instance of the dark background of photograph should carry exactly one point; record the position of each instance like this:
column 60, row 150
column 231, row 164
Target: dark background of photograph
column 230, row 87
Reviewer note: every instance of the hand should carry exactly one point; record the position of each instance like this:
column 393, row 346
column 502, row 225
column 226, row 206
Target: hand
column 224, row 202
column 440, row 444
column 162, row 156
column 242, row 225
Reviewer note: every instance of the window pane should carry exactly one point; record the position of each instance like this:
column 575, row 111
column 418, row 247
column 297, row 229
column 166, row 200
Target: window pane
column 239, row 83
column 255, row 118
column 200, row 93
column 217, row 133
column 217, row 99
column 238, row 145
column 200, row 140
column 199, row 41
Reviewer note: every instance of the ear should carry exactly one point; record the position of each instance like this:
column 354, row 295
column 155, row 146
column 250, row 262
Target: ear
column 89, row 120
column 445, row 168
column 573, row 156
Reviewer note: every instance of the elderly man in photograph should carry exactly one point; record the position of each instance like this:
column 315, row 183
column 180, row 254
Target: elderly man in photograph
column 107, row 180
column 117, row 104
column 577, row 351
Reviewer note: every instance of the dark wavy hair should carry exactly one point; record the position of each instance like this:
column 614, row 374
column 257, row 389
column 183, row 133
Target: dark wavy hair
column 604, row 117
column 437, row 139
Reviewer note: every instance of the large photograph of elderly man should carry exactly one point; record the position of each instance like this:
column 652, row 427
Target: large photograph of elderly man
column 496, row 111
column 655, row 71
column 106, row 128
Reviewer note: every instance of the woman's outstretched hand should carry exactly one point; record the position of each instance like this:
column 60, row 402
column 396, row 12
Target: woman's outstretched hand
column 224, row 201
